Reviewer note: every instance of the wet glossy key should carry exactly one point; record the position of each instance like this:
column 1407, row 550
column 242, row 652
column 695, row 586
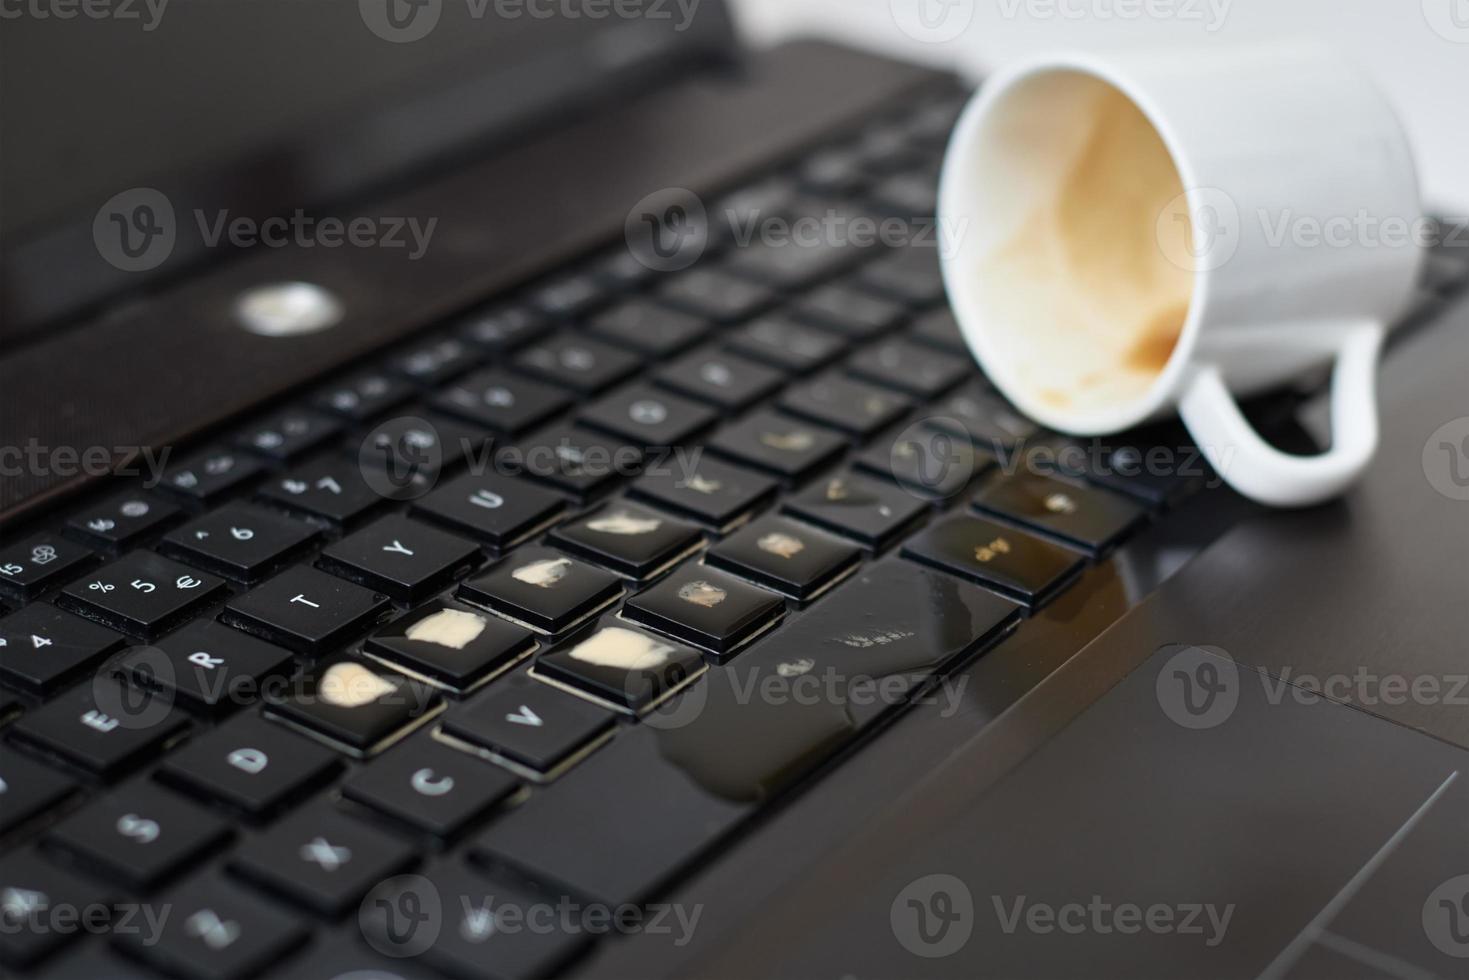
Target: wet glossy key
column 530, row 723
column 871, row 511
column 1001, row 557
column 707, row 608
column 544, row 589
column 629, row 538
column 785, row 555
column 1085, row 516
column 625, row 667
column 454, row 645
column 725, row 380
column 503, row 401
column 714, row 493
column 357, row 707
column 784, row 446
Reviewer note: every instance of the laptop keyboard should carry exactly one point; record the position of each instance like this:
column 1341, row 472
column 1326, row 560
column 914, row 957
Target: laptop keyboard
column 483, row 619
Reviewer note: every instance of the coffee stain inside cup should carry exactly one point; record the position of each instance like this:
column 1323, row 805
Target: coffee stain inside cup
column 1091, row 304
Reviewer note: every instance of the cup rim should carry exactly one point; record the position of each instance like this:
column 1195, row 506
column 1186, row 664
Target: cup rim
column 955, row 195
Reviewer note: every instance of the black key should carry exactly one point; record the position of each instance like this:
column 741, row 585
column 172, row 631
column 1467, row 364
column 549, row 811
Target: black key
column 42, row 647
column 625, row 668
column 27, row 789
column 1001, row 557
column 873, row 512
column 1084, row 516
column 910, row 195
column 500, row 510
column 652, row 819
column 217, row 931
column 499, row 400
column 1158, row 467
column 724, row 380
column 344, row 956
column 793, row 263
column 435, row 361
column 834, row 172
column 629, row 539
column 787, row 344
column 251, row 765
column 103, row 729
column 572, row 459
column 207, row 666
column 532, row 725
column 97, row 960
column 649, row 328
column 322, row 859
column 454, row 646
column 983, row 417
column 120, row 521
column 919, row 371
column 909, row 275
column 716, row 295
column 850, row 311
column 430, row 787
column 413, row 446
column 576, row 362
column 364, row 397
column 886, row 149
column 330, row 488
column 928, row 463
column 240, row 541
column 569, row 295
column 621, row 269
column 793, row 559
column 484, row 935
column 707, row 608
column 403, row 558
column 32, row 895
column 140, row 835
column 646, row 416
column 30, row 567
column 841, row 403
column 502, row 328
column 356, row 707
column 713, row 493
column 210, row 475
column 543, row 589
column 290, row 435
column 306, row 610
column 790, row 449
column 939, row 329
column 747, row 206
column 142, row 594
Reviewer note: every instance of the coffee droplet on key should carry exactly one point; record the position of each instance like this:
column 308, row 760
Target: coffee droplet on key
column 351, row 685
column 544, row 573
column 783, row 545
column 701, row 593
column 622, row 649
column 621, row 522
column 453, row 628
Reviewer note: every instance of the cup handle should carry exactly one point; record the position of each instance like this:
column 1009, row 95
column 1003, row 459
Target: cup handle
column 1265, row 474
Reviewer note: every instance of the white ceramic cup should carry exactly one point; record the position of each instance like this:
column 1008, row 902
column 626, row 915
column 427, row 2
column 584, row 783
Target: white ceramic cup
column 1139, row 234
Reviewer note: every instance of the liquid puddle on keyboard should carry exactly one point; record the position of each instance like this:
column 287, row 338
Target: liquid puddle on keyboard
column 770, row 716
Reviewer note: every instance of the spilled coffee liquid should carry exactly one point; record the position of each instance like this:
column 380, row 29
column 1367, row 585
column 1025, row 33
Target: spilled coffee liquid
column 1094, row 304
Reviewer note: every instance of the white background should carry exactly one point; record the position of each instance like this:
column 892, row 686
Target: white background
column 1417, row 49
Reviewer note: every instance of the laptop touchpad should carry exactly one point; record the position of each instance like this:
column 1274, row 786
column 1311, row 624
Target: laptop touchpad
column 1200, row 820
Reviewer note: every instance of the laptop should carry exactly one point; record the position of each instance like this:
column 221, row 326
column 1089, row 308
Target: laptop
column 495, row 491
